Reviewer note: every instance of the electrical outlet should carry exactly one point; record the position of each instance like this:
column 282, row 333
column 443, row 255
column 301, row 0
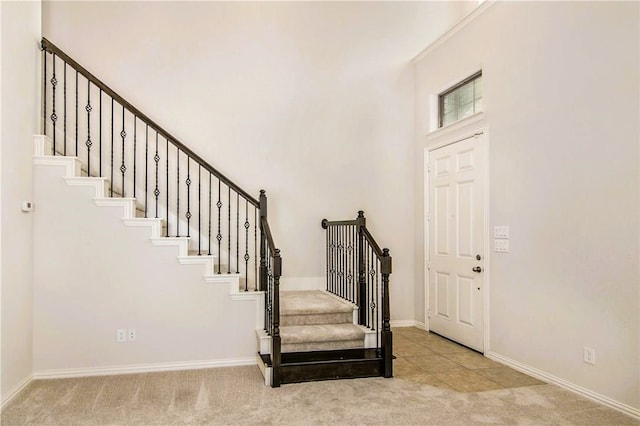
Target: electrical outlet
column 131, row 335
column 589, row 355
column 121, row 335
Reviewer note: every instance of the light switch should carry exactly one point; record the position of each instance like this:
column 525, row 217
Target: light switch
column 501, row 245
column 501, row 232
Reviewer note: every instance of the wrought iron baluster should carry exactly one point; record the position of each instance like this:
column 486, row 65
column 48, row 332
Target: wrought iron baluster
column 332, row 230
column 135, row 136
column 76, row 113
column 329, row 259
column 372, row 295
column 246, row 245
column 377, row 306
column 219, row 235
column 146, row 169
column 199, row 211
column 44, row 91
column 177, row 192
column 333, row 259
column 331, row 270
column 64, row 119
column 166, row 195
column 209, row 235
column 343, row 231
column 54, row 117
column 188, row 182
column 229, row 230
column 349, row 261
column 347, row 255
column 100, row 134
column 88, row 143
column 336, row 261
column 111, row 181
column 366, row 297
column 237, row 233
column 339, row 260
column 342, row 277
column 123, row 168
column 270, row 290
column 156, row 192
column 354, row 260
column 255, row 248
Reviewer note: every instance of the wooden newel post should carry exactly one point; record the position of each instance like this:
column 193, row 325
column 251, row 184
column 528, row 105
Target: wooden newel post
column 387, row 337
column 262, row 285
column 275, row 337
column 362, row 273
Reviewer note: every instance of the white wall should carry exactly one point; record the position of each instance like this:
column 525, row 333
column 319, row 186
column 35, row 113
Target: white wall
column 93, row 276
column 20, row 31
column 562, row 109
column 311, row 101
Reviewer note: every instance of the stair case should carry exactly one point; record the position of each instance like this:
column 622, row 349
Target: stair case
column 106, row 143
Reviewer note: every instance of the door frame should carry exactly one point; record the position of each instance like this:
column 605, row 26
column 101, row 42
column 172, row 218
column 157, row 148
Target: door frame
column 442, row 137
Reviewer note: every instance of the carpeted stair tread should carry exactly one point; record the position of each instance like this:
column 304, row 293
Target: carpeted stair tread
column 317, row 319
column 320, row 333
column 310, row 303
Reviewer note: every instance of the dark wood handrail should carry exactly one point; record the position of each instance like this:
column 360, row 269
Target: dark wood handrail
column 326, row 223
column 52, row 48
column 372, row 242
column 267, row 232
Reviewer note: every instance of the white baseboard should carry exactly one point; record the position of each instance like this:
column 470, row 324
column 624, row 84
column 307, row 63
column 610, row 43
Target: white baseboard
column 549, row 378
column 407, row 323
column 142, row 368
column 420, row 325
column 15, row 391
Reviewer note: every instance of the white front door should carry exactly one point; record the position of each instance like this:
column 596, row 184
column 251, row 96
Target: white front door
column 456, row 244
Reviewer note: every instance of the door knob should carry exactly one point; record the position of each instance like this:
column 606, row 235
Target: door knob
column 477, row 269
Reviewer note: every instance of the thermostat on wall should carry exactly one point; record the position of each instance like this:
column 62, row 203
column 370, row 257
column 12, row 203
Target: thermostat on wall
column 27, row 206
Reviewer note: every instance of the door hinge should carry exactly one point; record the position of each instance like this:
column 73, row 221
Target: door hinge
column 428, row 313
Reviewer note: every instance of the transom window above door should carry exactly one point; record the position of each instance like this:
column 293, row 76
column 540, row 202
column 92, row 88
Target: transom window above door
column 460, row 101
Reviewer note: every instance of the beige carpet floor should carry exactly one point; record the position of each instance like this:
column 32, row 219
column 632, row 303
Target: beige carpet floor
column 237, row 396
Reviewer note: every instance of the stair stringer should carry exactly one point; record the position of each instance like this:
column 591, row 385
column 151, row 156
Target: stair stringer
column 98, row 188
column 100, row 185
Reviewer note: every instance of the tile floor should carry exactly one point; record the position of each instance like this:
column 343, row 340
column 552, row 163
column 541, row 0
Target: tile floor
column 429, row 359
